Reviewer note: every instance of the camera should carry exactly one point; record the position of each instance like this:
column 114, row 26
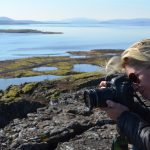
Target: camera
column 119, row 88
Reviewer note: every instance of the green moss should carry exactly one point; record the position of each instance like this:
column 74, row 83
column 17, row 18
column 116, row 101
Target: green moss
column 73, row 82
column 85, row 75
column 29, row 87
column 54, row 94
column 97, row 52
column 13, row 92
column 64, row 65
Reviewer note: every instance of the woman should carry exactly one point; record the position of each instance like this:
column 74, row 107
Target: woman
column 134, row 125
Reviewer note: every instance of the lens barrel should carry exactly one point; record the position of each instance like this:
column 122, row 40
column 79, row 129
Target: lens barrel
column 98, row 97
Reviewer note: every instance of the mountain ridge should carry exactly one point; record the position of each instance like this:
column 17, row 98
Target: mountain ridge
column 133, row 21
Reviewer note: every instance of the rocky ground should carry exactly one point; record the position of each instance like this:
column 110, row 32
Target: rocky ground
column 60, row 121
column 63, row 125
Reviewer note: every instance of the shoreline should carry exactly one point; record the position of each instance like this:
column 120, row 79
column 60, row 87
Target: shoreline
column 24, row 67
column 27, row 31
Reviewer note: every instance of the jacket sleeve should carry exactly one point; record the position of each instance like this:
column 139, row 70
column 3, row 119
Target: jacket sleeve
column 135, row 129
column 143, row 112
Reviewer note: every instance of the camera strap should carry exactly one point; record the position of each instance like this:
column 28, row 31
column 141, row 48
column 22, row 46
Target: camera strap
column 139, row 100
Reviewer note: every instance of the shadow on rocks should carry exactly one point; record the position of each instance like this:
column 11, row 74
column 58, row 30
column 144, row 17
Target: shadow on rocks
column 14, row 110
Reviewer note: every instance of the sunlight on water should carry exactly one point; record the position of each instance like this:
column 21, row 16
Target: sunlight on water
column 74, row 38
column 44, row 69
column 4, row 83
column 86, row 68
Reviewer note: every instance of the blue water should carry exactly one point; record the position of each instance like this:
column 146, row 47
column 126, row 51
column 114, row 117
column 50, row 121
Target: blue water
column 4, row 83
column 75, row 38
column 45, row 69
column 86, row 68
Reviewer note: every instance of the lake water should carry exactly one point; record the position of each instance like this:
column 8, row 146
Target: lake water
column 75, row 38
column 86, row 68
column 4, row 83
column 45, row 69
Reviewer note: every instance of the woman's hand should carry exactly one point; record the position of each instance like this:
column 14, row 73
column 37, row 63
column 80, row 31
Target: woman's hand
column 114, row 109
column 103, row 84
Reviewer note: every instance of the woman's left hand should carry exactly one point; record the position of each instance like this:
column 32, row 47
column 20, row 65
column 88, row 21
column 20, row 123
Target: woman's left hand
column 114, row 109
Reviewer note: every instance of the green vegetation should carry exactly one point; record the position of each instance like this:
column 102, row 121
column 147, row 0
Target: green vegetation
column 46, row 91
column 24, row 67
column 28, row 88
column 96, row 52
column 12, row 92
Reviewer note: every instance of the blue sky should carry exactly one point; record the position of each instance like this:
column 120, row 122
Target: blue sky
column 63, row 9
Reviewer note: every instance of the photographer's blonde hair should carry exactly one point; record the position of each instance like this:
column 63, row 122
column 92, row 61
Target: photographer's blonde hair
column 137, row 55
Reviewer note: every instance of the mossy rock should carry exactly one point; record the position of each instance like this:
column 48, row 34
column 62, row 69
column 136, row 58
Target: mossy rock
column 29, row 87
column 54, row 93
column 9, row 100
column 12, row 92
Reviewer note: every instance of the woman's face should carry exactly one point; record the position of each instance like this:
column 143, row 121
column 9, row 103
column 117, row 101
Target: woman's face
column 144, row 80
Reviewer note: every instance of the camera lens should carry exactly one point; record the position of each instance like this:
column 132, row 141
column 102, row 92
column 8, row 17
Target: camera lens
column 98, row 97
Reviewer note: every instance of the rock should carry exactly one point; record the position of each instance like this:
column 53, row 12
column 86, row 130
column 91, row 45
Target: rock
column 29, row 88
column 67, row 125
column 10, row 111
column 94, row 139
column 28, row 146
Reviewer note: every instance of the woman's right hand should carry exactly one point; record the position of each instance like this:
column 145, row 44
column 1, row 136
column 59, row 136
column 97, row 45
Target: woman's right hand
column 102, row 84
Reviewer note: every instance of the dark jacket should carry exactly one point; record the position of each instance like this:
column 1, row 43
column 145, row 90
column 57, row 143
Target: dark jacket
column 135, row 125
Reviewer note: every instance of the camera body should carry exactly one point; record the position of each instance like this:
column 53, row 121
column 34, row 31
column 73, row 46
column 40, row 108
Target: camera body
column 119, row 89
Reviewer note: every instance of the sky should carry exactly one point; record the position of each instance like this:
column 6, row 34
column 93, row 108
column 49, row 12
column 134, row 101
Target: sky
column 64, row 9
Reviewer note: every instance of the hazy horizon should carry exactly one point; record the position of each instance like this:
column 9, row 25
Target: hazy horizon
column 76, row 18
column 44, row 10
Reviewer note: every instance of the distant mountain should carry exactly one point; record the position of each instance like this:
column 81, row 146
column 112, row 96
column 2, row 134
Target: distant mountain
column 6, row 20
column 136, row 21
column 81, row 21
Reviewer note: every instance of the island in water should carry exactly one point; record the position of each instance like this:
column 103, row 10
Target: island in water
column 27, row 31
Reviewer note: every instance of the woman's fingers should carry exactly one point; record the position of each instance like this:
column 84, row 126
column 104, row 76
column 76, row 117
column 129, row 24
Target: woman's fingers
column 114, row 109
column 102, row 84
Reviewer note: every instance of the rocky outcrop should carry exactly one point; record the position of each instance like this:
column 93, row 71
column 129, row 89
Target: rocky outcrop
column 63, row 124
column 20, row 109
column 96, row 138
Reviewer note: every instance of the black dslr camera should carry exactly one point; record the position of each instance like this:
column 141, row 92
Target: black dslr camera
column 119, row 89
